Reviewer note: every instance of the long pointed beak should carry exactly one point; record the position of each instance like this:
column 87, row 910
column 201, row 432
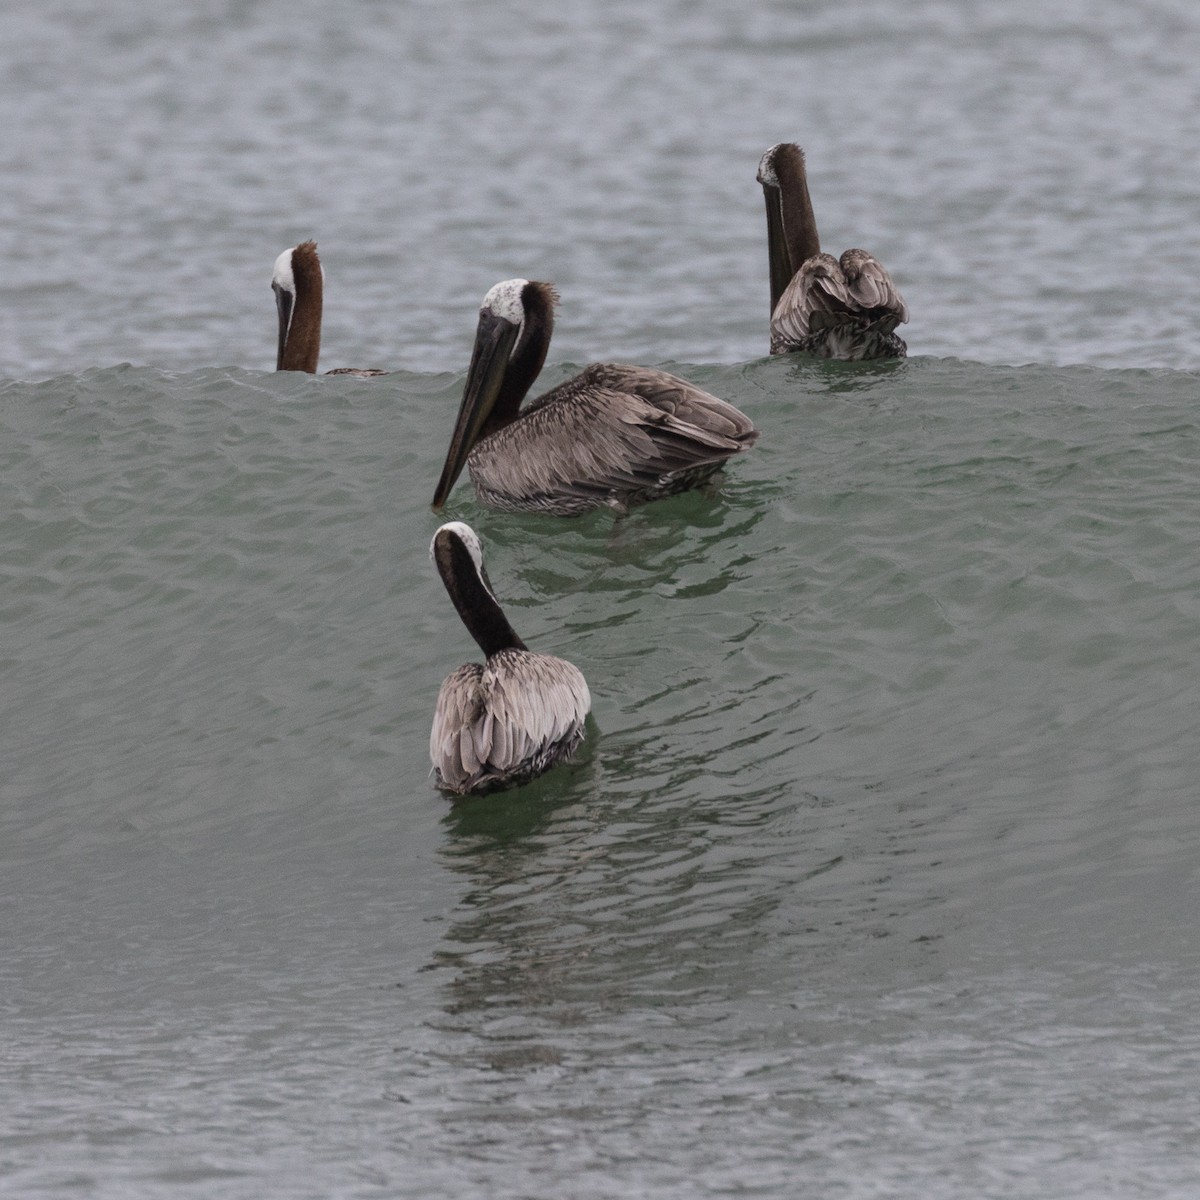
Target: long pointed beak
column 777, row 247
column 494, row 340
column 283, row 302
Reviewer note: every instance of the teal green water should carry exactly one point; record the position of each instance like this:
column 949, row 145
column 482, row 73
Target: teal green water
column 876, row 877
column 878, row 869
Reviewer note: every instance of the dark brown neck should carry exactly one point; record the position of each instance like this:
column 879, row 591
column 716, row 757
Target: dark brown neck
column 302, row 347
column 480, row 611
column 528, row 356
column 799, row 222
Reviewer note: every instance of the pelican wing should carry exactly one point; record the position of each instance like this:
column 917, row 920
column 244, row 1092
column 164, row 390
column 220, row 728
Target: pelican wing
column 611, row 432
column 872, row 288
column 826, row 293
column 507, row 721
column 708, row 417
column 817, row 292
column 535, row 710
column 455, row 742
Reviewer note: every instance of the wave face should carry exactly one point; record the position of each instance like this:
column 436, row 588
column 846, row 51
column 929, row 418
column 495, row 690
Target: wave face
column 889, row 803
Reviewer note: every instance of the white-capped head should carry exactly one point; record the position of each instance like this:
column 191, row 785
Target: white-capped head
column 466, row 535
column 768, row 171
column 506, row 300
column 282, row 277
column 766, row 167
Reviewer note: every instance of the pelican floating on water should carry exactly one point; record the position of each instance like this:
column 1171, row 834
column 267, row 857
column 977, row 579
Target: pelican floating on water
column 844, row 308
column 498, row 724
column 613, row 435
column 299, row 286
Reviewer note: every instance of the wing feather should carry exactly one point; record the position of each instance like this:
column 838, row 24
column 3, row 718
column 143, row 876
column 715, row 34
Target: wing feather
column 611, row 433
column 505, row 722
column 455, row 741
column 872, row 288
column 853, row 297
column 538, row 700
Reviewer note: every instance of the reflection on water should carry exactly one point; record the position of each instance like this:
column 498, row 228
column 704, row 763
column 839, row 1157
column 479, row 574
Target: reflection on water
column 513, row 963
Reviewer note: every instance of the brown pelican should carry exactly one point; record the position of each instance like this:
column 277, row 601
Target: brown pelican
column 612, row 435
column 499, row 724
column 299, row 286
column 844, row 308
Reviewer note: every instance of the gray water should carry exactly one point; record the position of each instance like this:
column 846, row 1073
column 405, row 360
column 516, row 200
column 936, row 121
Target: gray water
column 877, row 876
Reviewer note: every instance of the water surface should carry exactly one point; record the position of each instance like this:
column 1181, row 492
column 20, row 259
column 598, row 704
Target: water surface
column 876, row 875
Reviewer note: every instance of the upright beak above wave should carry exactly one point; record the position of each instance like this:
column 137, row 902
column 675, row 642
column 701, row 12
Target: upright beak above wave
column 298, row 282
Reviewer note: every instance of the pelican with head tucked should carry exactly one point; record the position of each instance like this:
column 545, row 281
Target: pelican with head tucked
column 299, row 286
column 613, row 435
column 845, row 308
column 501, row 723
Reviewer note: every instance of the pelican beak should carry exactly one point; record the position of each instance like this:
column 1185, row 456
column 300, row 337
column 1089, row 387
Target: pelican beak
column 283, row 302
column 494, row 340
column 777, row 247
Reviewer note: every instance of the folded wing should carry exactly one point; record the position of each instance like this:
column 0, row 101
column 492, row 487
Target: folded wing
column 503, row 723
column 610, row 434
column 832, row 301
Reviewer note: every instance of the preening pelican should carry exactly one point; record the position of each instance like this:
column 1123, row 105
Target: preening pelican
column 501, row 723
column 299, row 286
column 613, row 435
column 844, row 308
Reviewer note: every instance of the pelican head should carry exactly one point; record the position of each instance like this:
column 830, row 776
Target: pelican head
column 458, row 556
column 766, row 167
column 444, row 537
column 298, row 283
column 516, row 320
column 447, row 549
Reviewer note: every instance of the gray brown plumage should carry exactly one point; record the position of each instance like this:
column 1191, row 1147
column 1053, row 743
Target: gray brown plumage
column 298, row 282
column 846, row 307
column 499, row 723
column 613, row 435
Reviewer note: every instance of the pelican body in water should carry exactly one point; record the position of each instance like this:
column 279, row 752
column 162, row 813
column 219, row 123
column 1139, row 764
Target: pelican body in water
column 845, row 308
column 613, row 435
column 299, row 286
column 498, row 724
